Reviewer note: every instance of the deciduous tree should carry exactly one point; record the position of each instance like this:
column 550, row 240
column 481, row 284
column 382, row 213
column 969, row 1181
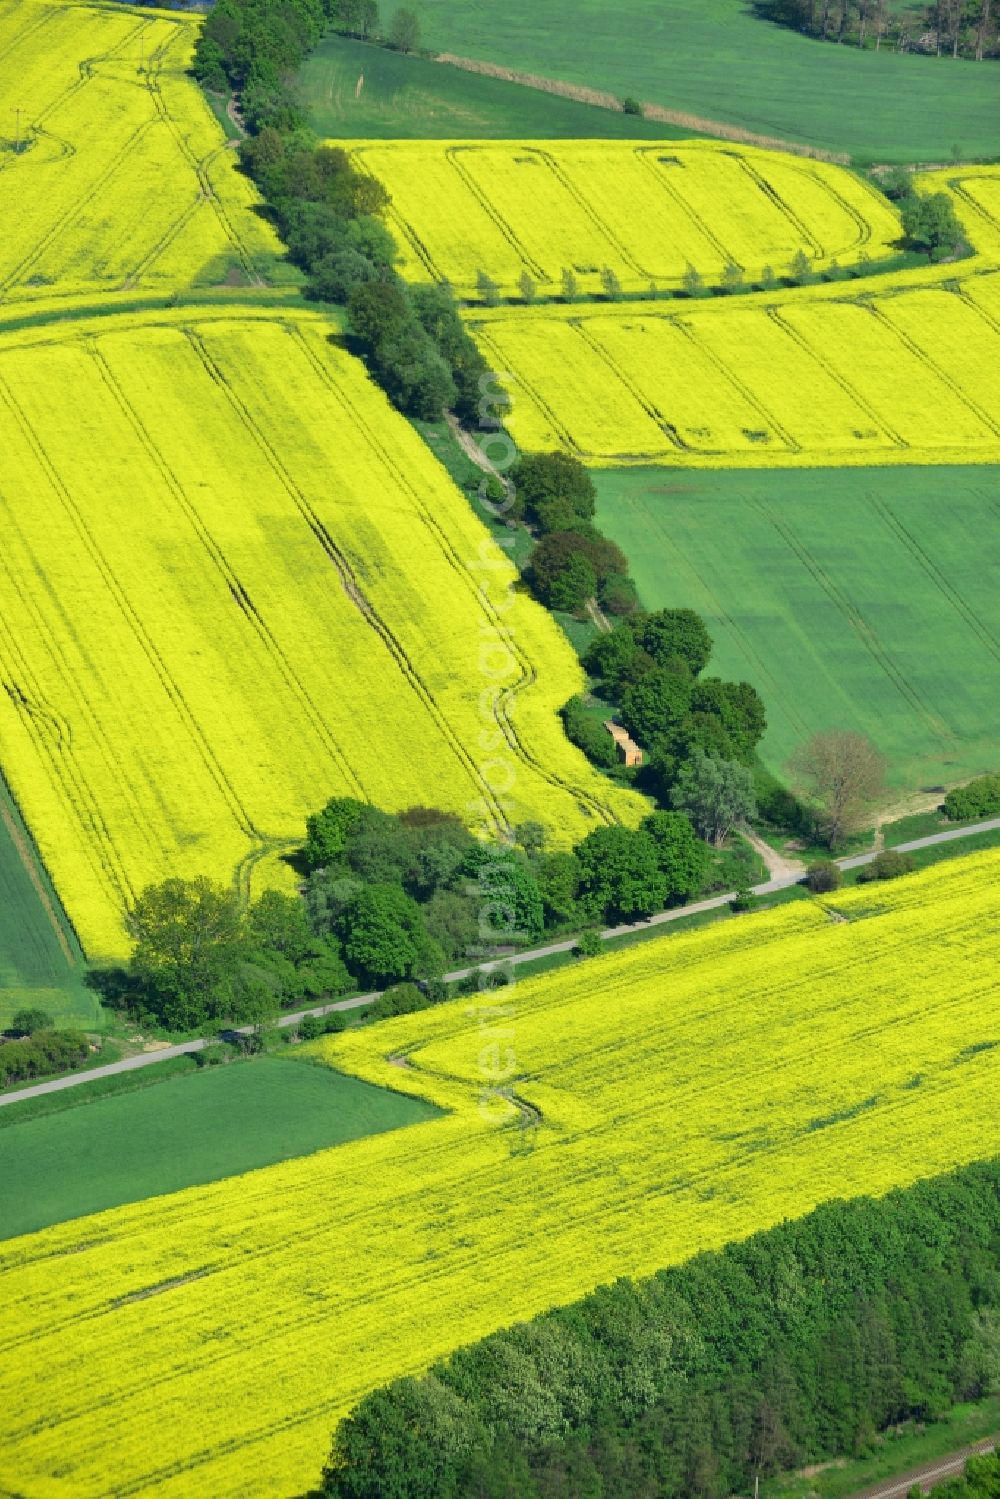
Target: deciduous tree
column 716, row 794
column 843, row 774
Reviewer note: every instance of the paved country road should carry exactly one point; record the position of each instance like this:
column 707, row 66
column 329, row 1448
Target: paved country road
column 662, row 918
column 927, row 1476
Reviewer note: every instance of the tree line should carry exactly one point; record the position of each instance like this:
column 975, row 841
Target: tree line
column 798, row 1345
column 388, row 900
column 329, row 215
column 957, row 28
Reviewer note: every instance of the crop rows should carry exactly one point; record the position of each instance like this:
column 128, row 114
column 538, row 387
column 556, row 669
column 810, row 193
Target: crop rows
column 911, row 376
column 248, row 549
column 119, row 185
column 674, row 1095
column 647, row 213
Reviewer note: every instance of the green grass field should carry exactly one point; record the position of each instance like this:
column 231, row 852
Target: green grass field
column 714, row 59
column 851, row 598
column 40, row 960
column 410, row 97
column 188, row 1129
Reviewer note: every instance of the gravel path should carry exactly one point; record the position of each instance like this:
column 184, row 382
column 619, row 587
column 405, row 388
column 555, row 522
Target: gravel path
column 662, row 918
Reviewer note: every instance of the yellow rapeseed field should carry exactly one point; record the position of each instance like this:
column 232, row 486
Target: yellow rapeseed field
column 239, row 584
column 647, row 212
column 124, row 179
column 668, row 1097
column 898, row 368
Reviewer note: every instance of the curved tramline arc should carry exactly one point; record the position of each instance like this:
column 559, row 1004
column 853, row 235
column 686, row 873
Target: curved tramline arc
column 781, row 203
column 503, row 707
column 503, row 225
column 353, row 588
column 751, row 1102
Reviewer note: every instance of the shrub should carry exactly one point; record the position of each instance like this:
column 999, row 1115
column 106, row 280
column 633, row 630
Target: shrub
column 311, row 1027
column 888, row 865
column 589, row 945
column 743, row 900
column 43, row 1053
column 27, row 1022
column 979, row 798
column 824, row 875
column 632, row 106
column 588, row 735
column 215, row 1055
column 334, row 1022
column 401, row 999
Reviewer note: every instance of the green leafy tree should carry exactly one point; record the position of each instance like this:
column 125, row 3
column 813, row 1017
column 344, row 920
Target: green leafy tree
column 324, row 973
column 609, row 656
column 888, row 865
column 436, row 857
column 682, row 857
column 930, row 225
column 531, row 837
column 738, row 708
column 693, row 282
column 400, row 999
column 620, row 875
column 732, row 278
column 541, row 478
column 569, row 586
column 327, row 831
column 570, row 286
column 676, row 632
column 414, row 374
column 588, row 733
column 717, row 795
column 527, row 286
column 407, row 1441
column 655, row 705
column 378, row 312
column 510, row 908
column 618, row 595
column 611, row 285
column 559, row 884
column 332, row 277
column 383, row 936
column 189, row 946
column 800, row 271
column 378, row 848
column 489, row 291
column 279, row 924
column 404, row 30
column 437, row 310
column 452, row 918
column 561, row 573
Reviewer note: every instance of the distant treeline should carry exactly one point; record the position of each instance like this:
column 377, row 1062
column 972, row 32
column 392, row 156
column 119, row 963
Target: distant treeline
column 958, row 28
column 795, row 1346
